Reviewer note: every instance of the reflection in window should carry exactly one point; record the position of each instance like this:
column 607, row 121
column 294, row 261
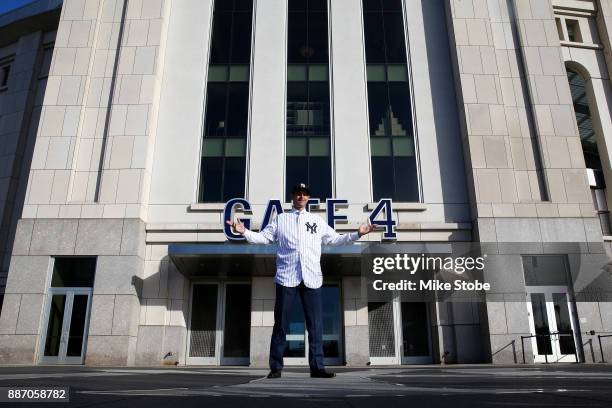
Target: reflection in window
column 583, row 118
column 573, row 30
column 394, row 169
column 308, row 114
column 540, row 322
column 45, row 65
column 564, row 324
column 223, row 164
column 588, row 140
column 4, row 75
column 331, row 322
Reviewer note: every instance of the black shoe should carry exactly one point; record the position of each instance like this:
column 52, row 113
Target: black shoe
column 274, row 374
column 322, row 374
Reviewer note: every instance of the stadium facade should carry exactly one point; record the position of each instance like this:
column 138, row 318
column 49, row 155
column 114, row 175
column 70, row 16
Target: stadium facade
column 126, row 125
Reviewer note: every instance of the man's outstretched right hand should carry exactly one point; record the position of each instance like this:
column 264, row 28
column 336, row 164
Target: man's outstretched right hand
column 237, row 226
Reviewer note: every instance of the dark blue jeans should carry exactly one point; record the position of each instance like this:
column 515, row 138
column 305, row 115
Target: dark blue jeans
column 312, row 305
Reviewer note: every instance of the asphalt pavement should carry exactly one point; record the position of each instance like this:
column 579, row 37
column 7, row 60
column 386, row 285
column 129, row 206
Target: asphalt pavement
column 453, row 386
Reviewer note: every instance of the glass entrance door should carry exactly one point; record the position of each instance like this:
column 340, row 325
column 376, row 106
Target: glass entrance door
column 66, row 325
column 297, row 337
column 552, row 319
column 332, row 325
column 399, row 332
column 219, row 324
column 236, row 335
column 416, row 334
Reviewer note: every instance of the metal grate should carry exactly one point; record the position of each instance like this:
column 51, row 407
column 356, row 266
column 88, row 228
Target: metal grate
column 382, row 339
column 202, row 343
column 203, row 321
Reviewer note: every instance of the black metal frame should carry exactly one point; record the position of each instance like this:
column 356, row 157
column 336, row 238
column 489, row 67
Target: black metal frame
column 549, row 335
column 599, row 336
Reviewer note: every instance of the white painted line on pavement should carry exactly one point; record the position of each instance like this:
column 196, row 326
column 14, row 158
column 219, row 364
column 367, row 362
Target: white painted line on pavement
column 145, row 390
column 57, row 375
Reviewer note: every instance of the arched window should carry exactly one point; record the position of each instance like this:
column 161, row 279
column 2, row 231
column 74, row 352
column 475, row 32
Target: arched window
column 589, row 148
column 583, row 117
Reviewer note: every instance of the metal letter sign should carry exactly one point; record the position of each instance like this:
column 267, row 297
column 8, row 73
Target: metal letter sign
column 385, row 206
column 227, row 215
column 331, row 211
column 383, row 211
column 273, row 205
column 313, row 202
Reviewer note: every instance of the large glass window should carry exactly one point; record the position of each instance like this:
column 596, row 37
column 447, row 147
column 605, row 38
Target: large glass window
column 588, row 139
column 223, row 165
column 394, row 167
column 308, row 117
column 583, row 118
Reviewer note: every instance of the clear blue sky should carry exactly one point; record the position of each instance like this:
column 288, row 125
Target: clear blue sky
column 7, row 5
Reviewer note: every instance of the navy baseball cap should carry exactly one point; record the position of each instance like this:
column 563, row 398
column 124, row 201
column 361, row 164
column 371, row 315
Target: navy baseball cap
column 300, row 187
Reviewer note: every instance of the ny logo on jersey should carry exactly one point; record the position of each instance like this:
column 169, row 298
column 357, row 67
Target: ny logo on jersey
column 311, row 228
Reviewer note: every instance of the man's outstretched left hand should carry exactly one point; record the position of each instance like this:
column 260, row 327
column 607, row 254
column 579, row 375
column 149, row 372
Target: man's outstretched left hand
column 366, row 228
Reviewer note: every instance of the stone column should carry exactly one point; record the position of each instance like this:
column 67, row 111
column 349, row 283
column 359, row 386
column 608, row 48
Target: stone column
column 604, row 25
column 552, row 103
column 165, row 298
column 356, row 329
column 186, row 47
column 115, row 309
column 262, row 319
column 351, row 132
column 266, row 163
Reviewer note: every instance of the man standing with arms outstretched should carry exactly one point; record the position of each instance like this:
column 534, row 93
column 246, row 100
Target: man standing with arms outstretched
column 298, row 272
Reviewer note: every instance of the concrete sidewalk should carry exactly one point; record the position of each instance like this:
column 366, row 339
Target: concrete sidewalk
column 571, row 385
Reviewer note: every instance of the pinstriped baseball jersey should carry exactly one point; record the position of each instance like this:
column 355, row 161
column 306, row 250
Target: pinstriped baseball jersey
column 299, row 235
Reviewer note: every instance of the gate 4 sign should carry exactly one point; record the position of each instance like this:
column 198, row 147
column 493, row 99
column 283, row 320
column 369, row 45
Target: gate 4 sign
column 382, row 215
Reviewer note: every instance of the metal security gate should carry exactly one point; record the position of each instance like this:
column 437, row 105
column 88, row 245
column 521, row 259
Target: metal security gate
column 382, row 333
column 219, row 324
column 399, row 332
